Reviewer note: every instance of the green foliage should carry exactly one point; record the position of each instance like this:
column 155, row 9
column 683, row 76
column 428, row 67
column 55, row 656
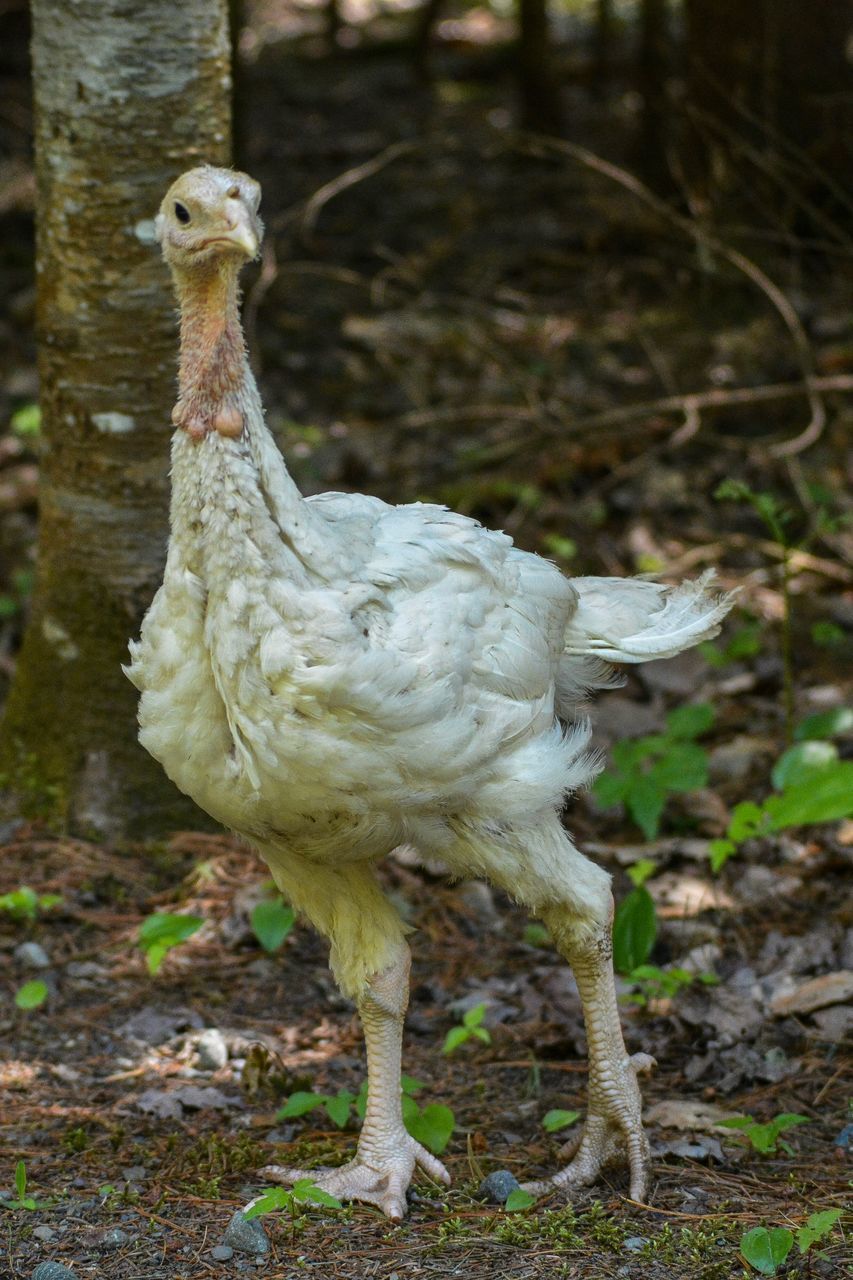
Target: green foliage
column 825, row 724
column 766, row 1138
column 744, row 643
column 646, row 770
column 160, row 932
column 827, row 635
column 431, row 1125
column 26, row 422
column 560, row 548
column 766, row 1250
column 536, row 935
column 31, row 994
column 817, row 1227
column 553, row 1121
column 802, row 762
column 22, row 1200
column 468, row 1029
column 303, row 1192
column 272, row 920
column 25, row 904
column 658, row 984
column 635, row 928
column 519, row 1200
column 774, row 515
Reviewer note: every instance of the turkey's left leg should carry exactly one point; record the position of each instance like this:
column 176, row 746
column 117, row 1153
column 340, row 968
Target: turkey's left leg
column 387, row 1155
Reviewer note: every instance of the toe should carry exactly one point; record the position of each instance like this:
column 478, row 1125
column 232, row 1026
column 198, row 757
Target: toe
column 431, row 1166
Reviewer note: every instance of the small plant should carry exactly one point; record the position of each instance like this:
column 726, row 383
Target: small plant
column 646, row 770
column 766, row 1249
column 161, row 932
column 766, row 1138
column 536, row 935
column 663, row 984
column 635, row 923
column 813, row 784
column 817, row 1227
column 31, row 995
column 470, row 1028
column 25, row 903
column 303, row 1192
column 26, row 422
column 431, row 1125
column 272, row 920
column 554, row 1121
column 518, row 1200
column 744, row 643
column 22, row 1201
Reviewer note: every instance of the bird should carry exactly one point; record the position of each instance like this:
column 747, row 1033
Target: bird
column 335, row 678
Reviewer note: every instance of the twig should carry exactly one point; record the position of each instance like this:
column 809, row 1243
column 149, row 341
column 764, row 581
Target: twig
column 738, row 260
column 349, row 178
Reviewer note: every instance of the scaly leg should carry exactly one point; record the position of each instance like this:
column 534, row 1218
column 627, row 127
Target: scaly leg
column 614, row 1119
column 387, row 1154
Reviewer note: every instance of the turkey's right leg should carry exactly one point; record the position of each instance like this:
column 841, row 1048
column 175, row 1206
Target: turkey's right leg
column 387, row 1155
column 370, row 960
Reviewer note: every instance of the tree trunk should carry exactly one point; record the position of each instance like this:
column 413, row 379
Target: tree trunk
column 652, row 68
column 540, row 99
column 127, row 96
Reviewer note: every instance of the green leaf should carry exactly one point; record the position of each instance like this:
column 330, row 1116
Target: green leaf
column 474, row 1016
column 816, row 1227
column 337, row 1107
column 20, row 1179
column 306, row 1190
column 518, row 1200
column 610, row 788
column 299, row 1104
column 553, row 1121
column 26, row 422
column 634, row 930
column 273, row 1198
column 683, row 768
column 21, row 904
column 645, row 803
column 767, row 1250
column 162, row 931
column 690, row 722
column 642, row 870
column 825, row 724
column 410, row 1085
column 433, row 1127
column 802, row 762
column 747, row 820
column 824, row 798
column 454, row 1038
column 48, row 900
column 31, row 994
column 272, row 920
column 719, row 852
column 482, row 1034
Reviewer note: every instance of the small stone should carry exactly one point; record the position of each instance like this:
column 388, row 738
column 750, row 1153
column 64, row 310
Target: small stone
column 32, row 956
column 246, row 1236
column 115, row 1238
column 134, row 1173
column 222, row 1253
column 635, row 1244
column 498, row 1186
column 52, row 1271
column 844, row 1141
column 211, row 1050
column 44, row 1233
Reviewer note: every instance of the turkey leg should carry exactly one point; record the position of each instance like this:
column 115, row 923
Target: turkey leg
column 387, row 1154
column 614, row 1118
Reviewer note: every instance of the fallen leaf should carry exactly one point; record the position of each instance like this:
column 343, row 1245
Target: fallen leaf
column 687, row 1113
column 817, row 993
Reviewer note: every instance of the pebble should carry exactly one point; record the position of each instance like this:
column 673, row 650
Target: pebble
column 211, row 1050
column 246, row 1236
column 52, row 1271
column 498, row 1186
column 134, row 1173
column 635, row 1243
column 222, row 1253
column 32, row 956
column 115, row 1238
column 44, row 1233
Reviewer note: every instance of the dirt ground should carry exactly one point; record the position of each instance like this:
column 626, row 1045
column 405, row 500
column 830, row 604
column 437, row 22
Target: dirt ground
column 468, row 319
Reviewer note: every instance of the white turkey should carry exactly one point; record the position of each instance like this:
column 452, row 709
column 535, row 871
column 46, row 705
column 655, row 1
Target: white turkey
column 334, row 677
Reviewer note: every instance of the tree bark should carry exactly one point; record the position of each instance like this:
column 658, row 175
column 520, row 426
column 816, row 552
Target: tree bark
column 128, row 93
column 537, row 82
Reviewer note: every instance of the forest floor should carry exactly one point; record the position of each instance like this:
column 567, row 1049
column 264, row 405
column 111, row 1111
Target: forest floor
column 468, row 316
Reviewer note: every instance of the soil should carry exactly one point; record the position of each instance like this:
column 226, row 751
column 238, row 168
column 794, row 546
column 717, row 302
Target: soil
column 465, row 317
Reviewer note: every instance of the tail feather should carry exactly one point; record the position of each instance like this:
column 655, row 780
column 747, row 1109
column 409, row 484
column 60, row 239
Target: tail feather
column 633, row 620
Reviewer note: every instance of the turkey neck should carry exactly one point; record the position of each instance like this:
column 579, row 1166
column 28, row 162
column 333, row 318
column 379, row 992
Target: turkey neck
column 214, row 370
column 213, row 362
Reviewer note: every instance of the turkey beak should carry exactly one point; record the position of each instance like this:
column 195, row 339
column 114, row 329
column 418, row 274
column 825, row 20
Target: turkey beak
column 241, row 231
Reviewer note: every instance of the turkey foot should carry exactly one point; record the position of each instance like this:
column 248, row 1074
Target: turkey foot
column 613, row 1131
column 374, row 1178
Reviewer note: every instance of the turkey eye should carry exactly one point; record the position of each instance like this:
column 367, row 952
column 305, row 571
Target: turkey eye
column 182, row 213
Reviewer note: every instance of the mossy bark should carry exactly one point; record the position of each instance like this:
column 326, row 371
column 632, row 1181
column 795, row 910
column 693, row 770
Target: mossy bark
column 128, row 94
